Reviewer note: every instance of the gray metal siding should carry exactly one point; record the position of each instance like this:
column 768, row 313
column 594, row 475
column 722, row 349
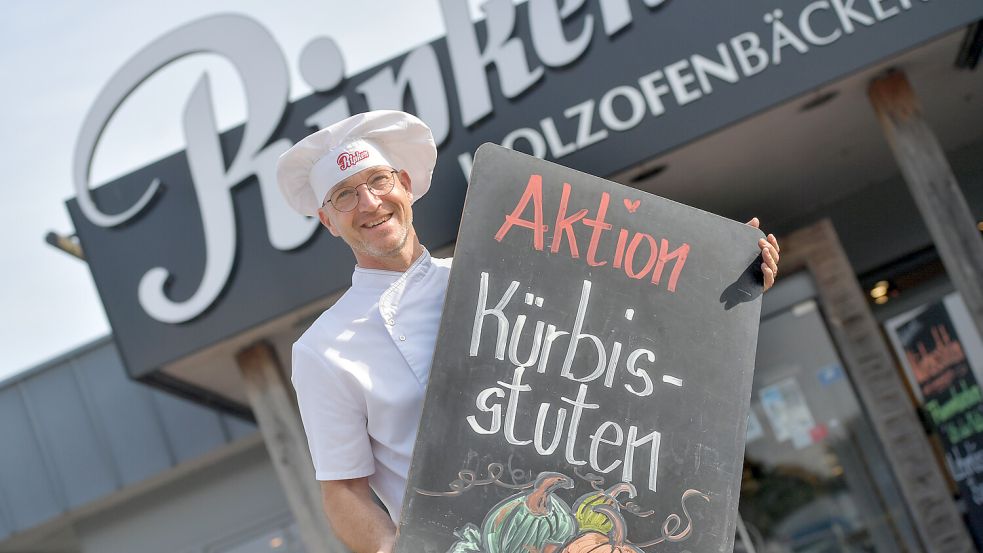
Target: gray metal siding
column 26, row 482
column 191, row 429
column 238, row 428
column 77, row 430
column 123, row 410
column 67, row 437
column 6, row 527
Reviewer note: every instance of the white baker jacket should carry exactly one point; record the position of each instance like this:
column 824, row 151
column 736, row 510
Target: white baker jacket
column 360, row 372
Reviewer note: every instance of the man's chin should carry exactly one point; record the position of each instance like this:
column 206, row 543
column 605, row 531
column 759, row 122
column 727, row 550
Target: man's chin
column 389, row 250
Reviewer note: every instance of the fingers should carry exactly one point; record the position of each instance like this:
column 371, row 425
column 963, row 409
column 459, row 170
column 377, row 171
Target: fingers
column 771, row 259
column 774, row 242
column 769, row 250
column 769, row 253
column 769, row 276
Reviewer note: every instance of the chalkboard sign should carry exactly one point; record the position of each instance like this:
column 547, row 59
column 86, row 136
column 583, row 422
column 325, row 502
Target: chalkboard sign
column 591, row 382
column 951, row 398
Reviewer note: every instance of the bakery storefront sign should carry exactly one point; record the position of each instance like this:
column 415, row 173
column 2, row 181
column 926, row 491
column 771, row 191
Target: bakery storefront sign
column 211, row 249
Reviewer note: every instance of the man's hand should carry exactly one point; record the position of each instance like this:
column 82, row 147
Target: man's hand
column 770, row 253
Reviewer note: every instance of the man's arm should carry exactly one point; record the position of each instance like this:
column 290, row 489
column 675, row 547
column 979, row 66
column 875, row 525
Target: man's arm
column 357, row 520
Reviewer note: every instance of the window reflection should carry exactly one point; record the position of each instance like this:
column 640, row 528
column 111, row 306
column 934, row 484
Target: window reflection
column 815, row 479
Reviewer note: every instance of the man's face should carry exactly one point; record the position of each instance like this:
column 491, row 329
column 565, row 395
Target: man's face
column 378, row 227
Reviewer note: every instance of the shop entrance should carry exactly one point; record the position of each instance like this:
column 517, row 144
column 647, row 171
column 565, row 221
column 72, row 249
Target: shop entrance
column 836, row 457
column 815, row 477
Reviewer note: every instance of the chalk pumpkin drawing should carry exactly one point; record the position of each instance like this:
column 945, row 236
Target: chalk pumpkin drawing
column 603, row 542
column 589, row 519
column 536, row 521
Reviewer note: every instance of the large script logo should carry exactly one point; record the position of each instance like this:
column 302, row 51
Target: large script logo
column 787, row 36
column 263, row 72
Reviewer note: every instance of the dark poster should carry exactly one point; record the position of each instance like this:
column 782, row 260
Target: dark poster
column 591, row 382
column 952, row 399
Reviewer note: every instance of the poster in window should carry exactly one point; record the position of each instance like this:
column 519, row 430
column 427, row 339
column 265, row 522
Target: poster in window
column 935, row 360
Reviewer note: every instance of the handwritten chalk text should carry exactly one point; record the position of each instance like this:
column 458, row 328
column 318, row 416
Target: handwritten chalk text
column 638, row 254
column 503, row 408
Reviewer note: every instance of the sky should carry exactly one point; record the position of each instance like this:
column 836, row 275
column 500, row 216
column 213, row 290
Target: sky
column 55, row 57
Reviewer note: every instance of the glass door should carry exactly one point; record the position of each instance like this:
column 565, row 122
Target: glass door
column 815, row 479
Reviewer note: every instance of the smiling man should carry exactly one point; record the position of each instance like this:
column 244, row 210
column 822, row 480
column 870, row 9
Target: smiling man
column 379, row 228
column 360, row 371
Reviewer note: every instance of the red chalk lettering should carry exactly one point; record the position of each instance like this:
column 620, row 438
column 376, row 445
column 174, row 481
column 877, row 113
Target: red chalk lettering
column 679, row 254
column 599, row 226
column 630, row 255
column 534, row 192
column 564, row 224
column 619, row 253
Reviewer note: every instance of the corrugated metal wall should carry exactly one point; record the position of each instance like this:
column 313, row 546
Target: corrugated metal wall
column 77, row 429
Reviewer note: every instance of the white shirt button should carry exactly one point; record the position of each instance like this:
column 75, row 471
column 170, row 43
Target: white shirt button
column 402, row 338
column 391, row 322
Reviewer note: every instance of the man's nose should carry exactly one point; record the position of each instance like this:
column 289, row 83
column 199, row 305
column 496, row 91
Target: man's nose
column 367, row 201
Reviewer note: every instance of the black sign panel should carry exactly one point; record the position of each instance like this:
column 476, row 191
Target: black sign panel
column 952, row 398
column 592, row 376
column 612, row 84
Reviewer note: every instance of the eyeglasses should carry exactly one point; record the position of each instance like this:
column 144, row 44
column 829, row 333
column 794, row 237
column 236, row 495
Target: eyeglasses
column 346, row 197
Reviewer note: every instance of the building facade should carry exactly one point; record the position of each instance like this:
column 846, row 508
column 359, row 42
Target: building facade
column 865, row 401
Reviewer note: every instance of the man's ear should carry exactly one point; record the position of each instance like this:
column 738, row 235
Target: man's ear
column 404, row 179
column 326, row 221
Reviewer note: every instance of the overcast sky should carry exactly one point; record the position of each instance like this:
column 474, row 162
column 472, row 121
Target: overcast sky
column 56, row 57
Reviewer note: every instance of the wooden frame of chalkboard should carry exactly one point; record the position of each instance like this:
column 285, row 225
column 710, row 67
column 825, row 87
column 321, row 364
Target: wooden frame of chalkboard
column 592, row 375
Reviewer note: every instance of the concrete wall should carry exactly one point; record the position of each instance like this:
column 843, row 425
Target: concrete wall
column 209, row 510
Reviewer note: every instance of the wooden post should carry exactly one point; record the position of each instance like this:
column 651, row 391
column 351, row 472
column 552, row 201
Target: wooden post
column 272, row 402
column 879, row 384
column 933, row 186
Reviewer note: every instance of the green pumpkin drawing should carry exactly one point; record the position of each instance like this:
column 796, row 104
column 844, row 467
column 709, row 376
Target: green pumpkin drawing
column 536, row 521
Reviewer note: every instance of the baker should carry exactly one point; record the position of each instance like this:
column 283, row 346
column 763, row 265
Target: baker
column 361, row 369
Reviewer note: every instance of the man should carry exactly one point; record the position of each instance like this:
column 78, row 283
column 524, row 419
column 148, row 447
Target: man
column 360, row 370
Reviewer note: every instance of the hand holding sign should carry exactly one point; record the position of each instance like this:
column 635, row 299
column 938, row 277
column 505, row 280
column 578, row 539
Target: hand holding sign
column 769, row 252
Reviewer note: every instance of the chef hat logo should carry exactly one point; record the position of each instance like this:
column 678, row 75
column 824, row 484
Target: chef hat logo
column 348, row 159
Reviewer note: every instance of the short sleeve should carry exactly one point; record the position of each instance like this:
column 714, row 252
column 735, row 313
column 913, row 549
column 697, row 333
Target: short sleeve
column 334, row 418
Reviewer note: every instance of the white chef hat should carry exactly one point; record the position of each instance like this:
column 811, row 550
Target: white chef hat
column 308, row 170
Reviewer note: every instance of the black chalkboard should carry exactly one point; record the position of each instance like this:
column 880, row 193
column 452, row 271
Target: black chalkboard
column 663, row 301
column 952, row 399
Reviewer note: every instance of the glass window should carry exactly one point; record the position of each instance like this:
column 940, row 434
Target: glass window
column 815, row 479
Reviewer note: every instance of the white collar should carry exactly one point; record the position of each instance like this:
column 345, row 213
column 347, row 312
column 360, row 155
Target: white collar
column 381, row 279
